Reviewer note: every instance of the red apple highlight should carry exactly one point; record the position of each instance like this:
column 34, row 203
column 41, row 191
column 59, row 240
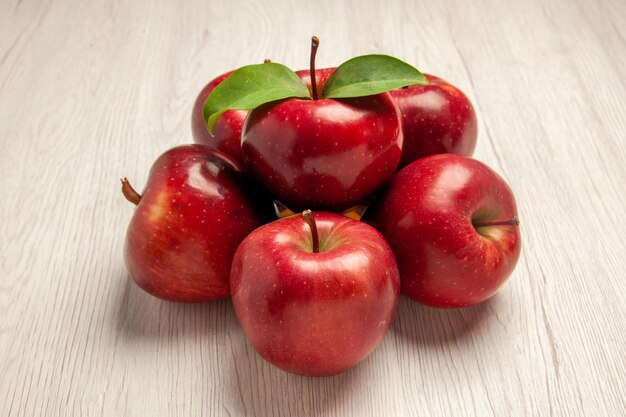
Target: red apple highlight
column 315, row 293
column 321, row 75
column 436, row 118
column 452, row 224
column 196, row 208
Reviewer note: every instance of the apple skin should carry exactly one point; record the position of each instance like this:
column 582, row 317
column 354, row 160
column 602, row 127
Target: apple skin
column 196, row 208
column 426, row 213
column 323, row 154
column 226, row 134
column 315, row 314
column 321, row 75
column 436, row 118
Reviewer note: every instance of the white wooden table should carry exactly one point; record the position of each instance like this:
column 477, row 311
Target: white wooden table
column 94, row 90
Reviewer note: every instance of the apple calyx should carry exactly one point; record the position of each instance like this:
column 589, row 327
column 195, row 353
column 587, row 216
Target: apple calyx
column 307, row 215
column 267, row 61
column 129, row 192
column 315, row 43
column 511, row 222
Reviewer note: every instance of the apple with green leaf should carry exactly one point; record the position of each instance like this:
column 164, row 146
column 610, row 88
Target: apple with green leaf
column 329, row 147
column 226, row 134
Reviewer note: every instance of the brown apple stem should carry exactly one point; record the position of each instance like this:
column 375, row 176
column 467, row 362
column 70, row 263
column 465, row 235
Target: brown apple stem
column 308, row 218
column 512, row 222
column 129, row 192
column 267, row 61
column 315, row 42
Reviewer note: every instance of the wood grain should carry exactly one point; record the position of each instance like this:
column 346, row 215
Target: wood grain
column 91, row 91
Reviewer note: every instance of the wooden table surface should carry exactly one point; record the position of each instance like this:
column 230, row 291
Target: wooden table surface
column 94, row 90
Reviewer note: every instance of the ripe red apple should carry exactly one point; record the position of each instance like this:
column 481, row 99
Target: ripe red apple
column 196, row 208
column 314, row 299
column 323, row 153
column 321, row 75
column 226, row 134
column 452, row 224
column 436, row 118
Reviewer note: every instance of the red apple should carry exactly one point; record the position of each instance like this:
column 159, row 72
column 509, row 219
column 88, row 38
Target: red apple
column 321, row 75
column 436, row 118
column 196, row 208
column 226, row 134
column 323, row 153
column 316, row 298
column 452, row 224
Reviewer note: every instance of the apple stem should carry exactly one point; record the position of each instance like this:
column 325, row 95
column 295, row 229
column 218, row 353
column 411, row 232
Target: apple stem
column 129, row 192
column 308, row 218
column 315, row 42
column 512, row 222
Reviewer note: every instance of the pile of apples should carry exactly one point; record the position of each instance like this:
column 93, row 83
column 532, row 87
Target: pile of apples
column 266, row 207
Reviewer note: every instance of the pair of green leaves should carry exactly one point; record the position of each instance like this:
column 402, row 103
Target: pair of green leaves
column 253, row 85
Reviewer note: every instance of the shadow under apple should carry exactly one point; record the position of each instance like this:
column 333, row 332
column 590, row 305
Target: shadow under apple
column 429, row 326
column 141, row 316
column 249, row 385
column 254, row 387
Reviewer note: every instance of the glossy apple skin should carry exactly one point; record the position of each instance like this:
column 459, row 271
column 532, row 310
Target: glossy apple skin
column 196, row 208
column 426, row 215
column 226, row 134
column 309, row 313
column 436, row 118
column 323, row 154
column 321, row 75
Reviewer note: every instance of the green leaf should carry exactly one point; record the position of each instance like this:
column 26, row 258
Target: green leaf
column 249, row 87
column 370, row 74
